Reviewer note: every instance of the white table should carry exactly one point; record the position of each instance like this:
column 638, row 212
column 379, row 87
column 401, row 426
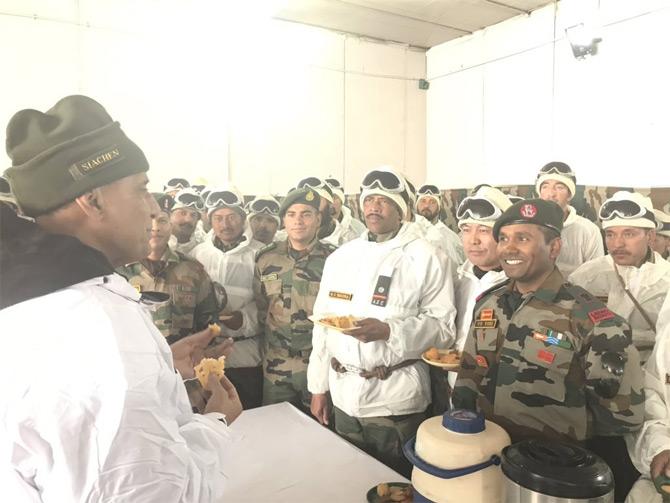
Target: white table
column 281, row 455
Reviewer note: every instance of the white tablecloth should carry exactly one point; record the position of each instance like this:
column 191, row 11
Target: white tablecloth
column 281, row 455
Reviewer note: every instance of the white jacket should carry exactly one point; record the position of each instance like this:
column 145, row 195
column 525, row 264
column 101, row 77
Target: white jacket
column 582, row 242
column 654, row 436
column 91, row 408
column 419, row 310
column 235, row 271
column 468, row 287
column 649, row 284
column 186, row 248
column 441, row 237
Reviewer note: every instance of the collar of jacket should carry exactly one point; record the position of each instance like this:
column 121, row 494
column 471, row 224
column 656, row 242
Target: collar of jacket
column 226, row 248
column 549, row 290
column 35, row 263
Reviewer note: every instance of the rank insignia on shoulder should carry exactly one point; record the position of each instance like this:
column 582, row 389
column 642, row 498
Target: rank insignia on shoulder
column 481, row 361
column 340, row 295
column 601, row 314
column 269, row 277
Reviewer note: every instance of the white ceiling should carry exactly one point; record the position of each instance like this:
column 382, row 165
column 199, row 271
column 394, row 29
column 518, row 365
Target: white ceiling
column 420, row 23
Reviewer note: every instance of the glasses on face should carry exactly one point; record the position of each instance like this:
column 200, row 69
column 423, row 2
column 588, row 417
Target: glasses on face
column 264, row 206
column 478, row 209
column 190, row 201
column 383, row 180
column 557, row 168
column 623, row 209
column 429, row 190
column 177, row 183
column 222, row 198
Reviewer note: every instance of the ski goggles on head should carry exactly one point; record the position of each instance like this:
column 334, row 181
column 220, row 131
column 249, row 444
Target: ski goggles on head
column 625, row 209
column 478, row 208
column 663, row 226
column 177, row 183
column 223, row 198
column 335, row 184
column 198, row 188
column 264, row 206
column 383, row 180
column 428, row 190
column 312, row 182
column 557, row 168
column 189, row 201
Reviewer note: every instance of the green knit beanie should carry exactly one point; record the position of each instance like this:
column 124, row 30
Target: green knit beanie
column 71, row 149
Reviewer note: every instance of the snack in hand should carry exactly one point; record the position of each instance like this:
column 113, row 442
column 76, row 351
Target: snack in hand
column 342, row 322
column 397, row 494
column 216, row 329
column 208, row 366
column 450, row 357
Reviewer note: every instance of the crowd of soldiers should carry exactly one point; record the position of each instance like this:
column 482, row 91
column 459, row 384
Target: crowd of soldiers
column 561, row 325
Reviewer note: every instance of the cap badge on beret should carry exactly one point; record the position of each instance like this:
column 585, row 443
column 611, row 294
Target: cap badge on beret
column 309, row 196
column 528, row 211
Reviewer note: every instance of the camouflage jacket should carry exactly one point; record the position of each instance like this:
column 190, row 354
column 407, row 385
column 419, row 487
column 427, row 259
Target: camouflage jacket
column 285, row 290
column 541, row 369
column 193, row 302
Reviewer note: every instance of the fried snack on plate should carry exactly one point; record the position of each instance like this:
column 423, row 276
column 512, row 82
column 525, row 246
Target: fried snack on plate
column 342, row 322
column 433, row 354
column 383, row 490
column 208, row 366
column 452, row 358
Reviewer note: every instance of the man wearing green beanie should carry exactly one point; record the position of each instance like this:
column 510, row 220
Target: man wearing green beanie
column 92, row 407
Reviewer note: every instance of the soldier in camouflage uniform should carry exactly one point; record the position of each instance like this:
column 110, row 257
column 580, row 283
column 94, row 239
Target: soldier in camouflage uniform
column 544, row 358
column 286, row 282
column 194, row 300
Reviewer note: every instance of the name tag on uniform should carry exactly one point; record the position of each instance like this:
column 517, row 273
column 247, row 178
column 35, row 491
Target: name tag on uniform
column 381, row 294
column 340, row 295
column 269, row 277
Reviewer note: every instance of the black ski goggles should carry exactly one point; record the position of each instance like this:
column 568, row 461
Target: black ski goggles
column 625, row 209
column 477, row 208
column 218, row 198
column 189, row 200
column 557, row 168
column 383, row 180
column 264, row 206
column 428, row 190
column 176, row 184
column 334, row 183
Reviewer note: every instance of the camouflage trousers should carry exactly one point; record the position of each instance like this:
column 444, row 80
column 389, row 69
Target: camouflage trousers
column 381, row 437
column 285, row 378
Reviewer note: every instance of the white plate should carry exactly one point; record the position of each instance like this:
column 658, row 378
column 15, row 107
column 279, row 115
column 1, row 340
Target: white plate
column 446, row 366
column 315, row 319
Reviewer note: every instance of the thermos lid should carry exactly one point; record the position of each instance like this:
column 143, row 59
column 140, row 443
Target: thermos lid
column 557, row 469
column 463, row 421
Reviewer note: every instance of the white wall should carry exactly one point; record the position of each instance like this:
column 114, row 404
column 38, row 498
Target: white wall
column 216, row 94
column 509, row 98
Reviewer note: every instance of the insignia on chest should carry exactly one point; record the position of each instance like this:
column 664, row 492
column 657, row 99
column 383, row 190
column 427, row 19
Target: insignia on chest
column 486, row 319
column 599, row 315
column 553, row 338
column 269, row 277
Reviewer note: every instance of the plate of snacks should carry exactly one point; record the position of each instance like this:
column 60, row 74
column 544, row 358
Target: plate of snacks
column 390, row 492
column 334, row 322
column 448, row 359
